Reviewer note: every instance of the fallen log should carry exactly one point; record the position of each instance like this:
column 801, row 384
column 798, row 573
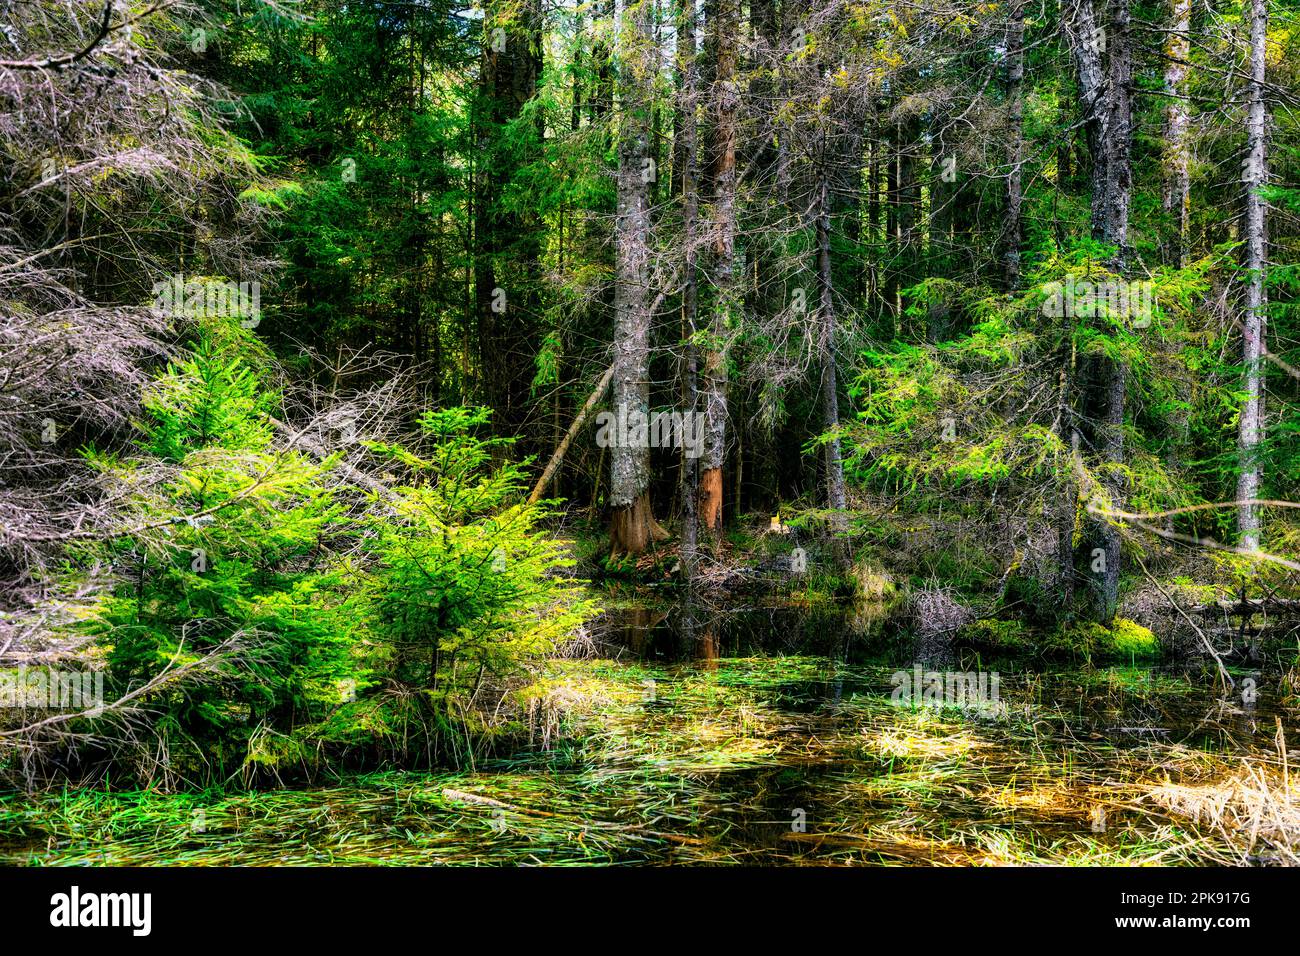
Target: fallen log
column 1250, row 606
column 558, row 457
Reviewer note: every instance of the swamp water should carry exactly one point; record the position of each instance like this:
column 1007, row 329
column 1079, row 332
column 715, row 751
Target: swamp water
column 763, row 735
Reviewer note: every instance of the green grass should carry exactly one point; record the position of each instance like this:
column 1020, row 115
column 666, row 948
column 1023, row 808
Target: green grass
column 708, row 762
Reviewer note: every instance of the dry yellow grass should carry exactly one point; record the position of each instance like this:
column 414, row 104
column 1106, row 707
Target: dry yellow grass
column 1257, row 810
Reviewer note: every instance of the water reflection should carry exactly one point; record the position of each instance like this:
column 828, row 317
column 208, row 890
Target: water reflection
column 1118, row 704
column 702, row 632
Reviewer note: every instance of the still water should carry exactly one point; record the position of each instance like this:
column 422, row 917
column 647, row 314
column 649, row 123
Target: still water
column 754, row 735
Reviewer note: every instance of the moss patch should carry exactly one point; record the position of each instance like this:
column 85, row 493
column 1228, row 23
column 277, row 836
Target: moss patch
column 1131, row 639
column 1123, row 640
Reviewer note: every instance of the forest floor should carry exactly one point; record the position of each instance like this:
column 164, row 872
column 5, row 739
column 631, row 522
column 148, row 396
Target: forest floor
column 750, row 736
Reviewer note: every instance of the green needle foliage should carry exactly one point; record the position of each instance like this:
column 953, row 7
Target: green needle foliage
column 461, row 587
column 228, row 539
column 266, row 623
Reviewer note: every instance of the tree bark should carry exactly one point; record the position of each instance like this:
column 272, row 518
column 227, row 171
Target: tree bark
column 1086, row 42
column 764, row 281
column 1013, row 236
column 725, row 27
column 1255, row 176
column 1110, row 215
column 907, row 198
column 632, row 525
column 835, row 494
column 506, row 270
column 1108, row 128
column 687, row 145
column 1176, row 197
column 1110, row 211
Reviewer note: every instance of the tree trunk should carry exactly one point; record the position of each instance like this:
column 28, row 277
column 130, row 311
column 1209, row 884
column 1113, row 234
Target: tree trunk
column 1114, row 376
column 1177, row 186
column 1110, row 215
column 1013, row 235
column 872, row 232
column 835, row 495
column 557, row 458
column 1067, row 506
column 1255, row 176
column 506, row 271
column 1086, row 43
column 632, row 524
column 688, row 160
column 908, row 199
column 1108, row 128
column 725, row 27
column 764, row 281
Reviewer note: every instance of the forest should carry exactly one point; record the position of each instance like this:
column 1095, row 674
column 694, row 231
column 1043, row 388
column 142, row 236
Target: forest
column 540, row 432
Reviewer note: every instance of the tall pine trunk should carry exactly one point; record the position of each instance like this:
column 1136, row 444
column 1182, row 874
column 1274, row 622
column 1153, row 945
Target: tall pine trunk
column 1255, row 176
column 1176, row 196
column 1108, row 127
column 725, row 27
column 835, row 495
column 506, row 270
column 1110, row 217
column 632, row 524
column 688, row 177
column 1013, row 235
